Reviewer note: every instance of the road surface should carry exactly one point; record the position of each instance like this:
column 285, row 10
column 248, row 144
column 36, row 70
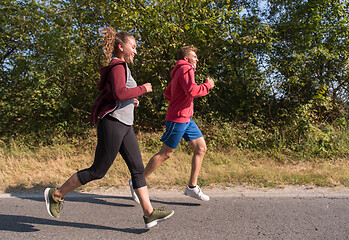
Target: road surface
column 236, row 213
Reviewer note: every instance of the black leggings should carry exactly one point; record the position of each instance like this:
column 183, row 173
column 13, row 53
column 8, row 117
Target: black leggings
column 114, row 137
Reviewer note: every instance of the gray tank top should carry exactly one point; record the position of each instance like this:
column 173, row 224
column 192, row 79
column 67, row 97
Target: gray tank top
column 124, row 111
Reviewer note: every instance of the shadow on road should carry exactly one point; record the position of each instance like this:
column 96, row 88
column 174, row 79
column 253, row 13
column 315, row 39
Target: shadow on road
column 94, row 199
column 177, row 203
column 81, row 197
column 16, row 223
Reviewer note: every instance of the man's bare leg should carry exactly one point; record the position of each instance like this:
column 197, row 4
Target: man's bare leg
column 164, row 154
column 193, row 190
column 199, row 146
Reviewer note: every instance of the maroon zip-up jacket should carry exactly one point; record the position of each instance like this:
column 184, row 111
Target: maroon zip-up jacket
column 112, row 87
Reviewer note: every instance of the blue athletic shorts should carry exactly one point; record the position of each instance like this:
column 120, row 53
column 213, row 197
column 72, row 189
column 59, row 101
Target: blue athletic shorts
column 175, row 131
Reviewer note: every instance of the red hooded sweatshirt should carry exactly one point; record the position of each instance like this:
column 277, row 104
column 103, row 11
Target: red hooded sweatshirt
column 181, row 92
column 112, row 87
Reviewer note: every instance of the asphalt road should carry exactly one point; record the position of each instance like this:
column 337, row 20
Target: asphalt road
column 236, row 213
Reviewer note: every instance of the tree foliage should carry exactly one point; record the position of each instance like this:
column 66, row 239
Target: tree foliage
column 310, row 52
column 270, row 59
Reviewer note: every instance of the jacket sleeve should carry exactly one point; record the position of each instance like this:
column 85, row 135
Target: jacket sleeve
column 118, row 85
column 189, row 85
column 167, row 93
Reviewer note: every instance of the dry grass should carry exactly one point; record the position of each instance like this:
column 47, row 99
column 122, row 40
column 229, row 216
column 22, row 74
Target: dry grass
column 21, row 167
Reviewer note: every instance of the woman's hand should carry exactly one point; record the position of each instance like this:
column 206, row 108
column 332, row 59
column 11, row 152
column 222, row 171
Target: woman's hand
column 148, row 87
column 136, row 101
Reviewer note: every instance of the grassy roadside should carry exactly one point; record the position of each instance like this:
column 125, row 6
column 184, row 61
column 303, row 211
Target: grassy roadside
column 25, row 168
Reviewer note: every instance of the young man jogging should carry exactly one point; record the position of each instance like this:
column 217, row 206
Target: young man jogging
column 180, row 94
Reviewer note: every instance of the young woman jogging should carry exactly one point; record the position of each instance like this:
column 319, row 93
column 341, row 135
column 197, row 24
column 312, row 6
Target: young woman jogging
column 114, row 112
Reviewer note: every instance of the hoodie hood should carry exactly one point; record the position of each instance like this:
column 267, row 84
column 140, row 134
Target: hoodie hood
column 179, row 64
column 104, row 71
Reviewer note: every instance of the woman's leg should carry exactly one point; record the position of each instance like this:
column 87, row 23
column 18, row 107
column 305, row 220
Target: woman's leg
column 72, row 183
column 110, row 134
column 143, row 196
column 130, row 152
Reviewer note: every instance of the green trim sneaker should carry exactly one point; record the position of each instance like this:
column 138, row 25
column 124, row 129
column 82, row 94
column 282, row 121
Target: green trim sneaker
column 53, row 205
column 158, row 215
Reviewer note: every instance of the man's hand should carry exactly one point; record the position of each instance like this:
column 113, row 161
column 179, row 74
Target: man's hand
column 210, row 81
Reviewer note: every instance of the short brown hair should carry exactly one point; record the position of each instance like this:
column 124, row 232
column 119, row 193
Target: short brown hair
column 184, row 51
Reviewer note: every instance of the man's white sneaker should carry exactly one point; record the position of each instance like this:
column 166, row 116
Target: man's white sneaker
column 196, row 193
column 134, row 195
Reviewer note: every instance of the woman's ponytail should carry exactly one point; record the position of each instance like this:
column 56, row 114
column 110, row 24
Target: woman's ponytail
column 110, row 41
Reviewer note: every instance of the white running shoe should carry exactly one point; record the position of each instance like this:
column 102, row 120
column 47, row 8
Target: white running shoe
column 134, row 195
column 196, row 193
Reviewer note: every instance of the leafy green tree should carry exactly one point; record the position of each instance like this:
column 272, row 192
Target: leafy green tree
column 51, row 56
column 230, row 48
column 310, row 52
column 48, row 63
column 270, row 64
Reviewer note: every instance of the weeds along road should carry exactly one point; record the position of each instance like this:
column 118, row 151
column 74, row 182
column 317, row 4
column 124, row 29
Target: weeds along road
column 237, row 213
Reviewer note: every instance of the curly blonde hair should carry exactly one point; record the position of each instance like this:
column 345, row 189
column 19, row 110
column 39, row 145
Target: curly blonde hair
column 111, row 39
